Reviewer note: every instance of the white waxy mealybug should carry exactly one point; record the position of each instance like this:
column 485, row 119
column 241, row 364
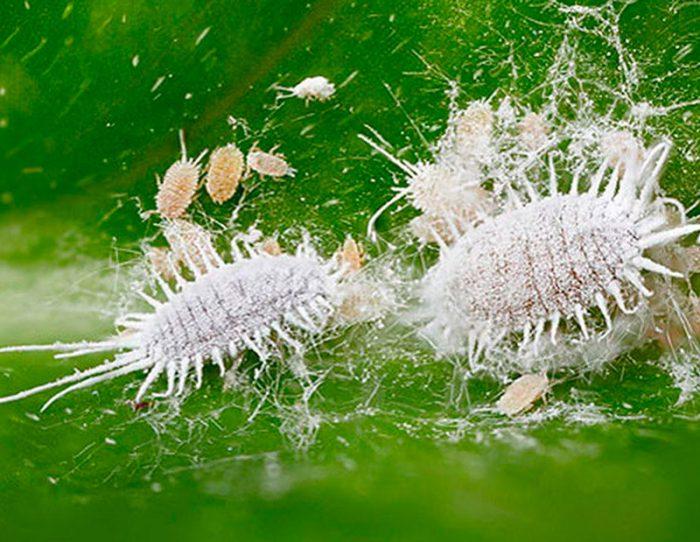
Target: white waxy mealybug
column 522, row 394
column 312, row 88
column 450, row 201
column 179, row 185
column 556, row 257
column 224, row 172
column 469, row 132
column 268, row 163
column 259, row 302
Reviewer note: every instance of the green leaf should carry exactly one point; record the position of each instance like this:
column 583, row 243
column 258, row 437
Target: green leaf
column 92, row 95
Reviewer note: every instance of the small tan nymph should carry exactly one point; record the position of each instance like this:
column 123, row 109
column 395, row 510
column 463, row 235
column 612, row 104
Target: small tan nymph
column 179, row 185
column 224, row 172
column 351, row 256
column 522, row 393
column 268, row 163
column 161, row 261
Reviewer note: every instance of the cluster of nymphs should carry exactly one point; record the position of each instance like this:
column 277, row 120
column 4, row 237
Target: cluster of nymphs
column 526, row 267
column 226, row 169
column 227, row 165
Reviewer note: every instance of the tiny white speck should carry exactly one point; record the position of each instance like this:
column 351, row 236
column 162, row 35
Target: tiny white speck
column 135, row 61
column 110, row 441
column 31, row 416
column 156, row 487
column 188, row 96
column 53, row 481
column 3, row 91
column 158, row 83
column 202, row 35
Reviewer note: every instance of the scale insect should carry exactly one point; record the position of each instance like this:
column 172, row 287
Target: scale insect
column 258, row 302
column 179, row 185
column 316, row 88
column 554, row 258
column 224, row 172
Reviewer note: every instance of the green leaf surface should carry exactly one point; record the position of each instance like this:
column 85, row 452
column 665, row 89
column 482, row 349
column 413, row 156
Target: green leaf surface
column 92, row 95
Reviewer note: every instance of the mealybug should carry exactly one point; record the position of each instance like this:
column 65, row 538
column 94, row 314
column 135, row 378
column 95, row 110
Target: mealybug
column 268, row 163
column 554, row 258
column 258, row 302
column 522, row 393
column 179, row 185
column 190, row 243
column 224, row 172
column 312, row 88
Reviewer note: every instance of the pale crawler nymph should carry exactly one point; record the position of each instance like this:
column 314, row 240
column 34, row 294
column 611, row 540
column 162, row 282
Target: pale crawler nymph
column 270, row 164
column 312, row 88
column 554, row 258
column 260, row 302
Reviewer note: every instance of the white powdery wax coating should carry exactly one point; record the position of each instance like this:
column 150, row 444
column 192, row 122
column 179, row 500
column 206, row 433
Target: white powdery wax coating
column 314, row 88
column 530, row 263
column 235, row 301
column 258, row 303
column 556, row 257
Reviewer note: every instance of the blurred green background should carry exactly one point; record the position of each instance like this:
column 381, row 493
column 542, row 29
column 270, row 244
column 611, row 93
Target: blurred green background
column 92, row 94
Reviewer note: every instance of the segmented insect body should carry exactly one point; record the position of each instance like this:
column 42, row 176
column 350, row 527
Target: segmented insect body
column 620, row 146
column 271, row 246
column 268, row 163
column 312, row 88
column 556, row 257
column 179, row 185
column 468, row 135
column 224, row 172
column 522, row 393
column 257, row 303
